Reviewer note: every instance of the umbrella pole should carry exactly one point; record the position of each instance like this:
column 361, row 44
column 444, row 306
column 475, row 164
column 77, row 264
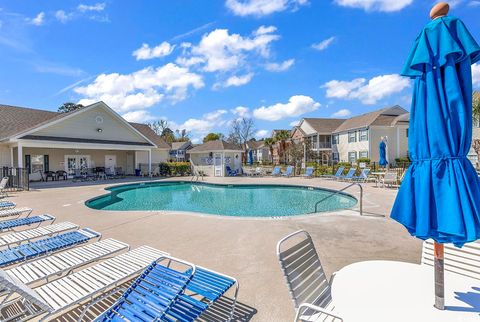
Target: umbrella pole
column 439, row 276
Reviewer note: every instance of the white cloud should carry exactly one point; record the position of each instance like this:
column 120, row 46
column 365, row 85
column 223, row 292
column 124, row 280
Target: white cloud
column 324, row 44
column 62, row 16
column 261, row 134
column 96, row 7
column 280, row 67
column 476, row 74
column 221, row 51
column 145, row 52
column 297, row 105
column 474, row 3
column 205, row 124
column 141, row 116
column 342, row 113
column 39, row 19
column 260, row 8
column 235, row 81
column 375, row 5
column 241, row 111
column 141, row 89
column 370, row 92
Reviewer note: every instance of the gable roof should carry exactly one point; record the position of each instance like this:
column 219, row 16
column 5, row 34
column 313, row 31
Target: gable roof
column 382, row 117
column 181, row 145
column 218, row 145
column 15, row 120
column 255, row 145
column 324, row 125
column 150, row 134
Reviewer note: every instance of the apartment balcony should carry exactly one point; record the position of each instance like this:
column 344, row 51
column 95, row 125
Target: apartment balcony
column 321, row 146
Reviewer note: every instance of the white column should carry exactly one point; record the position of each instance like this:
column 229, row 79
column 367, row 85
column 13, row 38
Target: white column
column 398, row 142
column 20, row 156
column 11, row 156
column 223, row 164
column 150, row 162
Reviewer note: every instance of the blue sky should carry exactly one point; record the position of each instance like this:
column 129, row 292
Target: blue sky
column 200, row 64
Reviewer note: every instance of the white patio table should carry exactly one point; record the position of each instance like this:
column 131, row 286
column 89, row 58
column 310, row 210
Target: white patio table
column 388, row 291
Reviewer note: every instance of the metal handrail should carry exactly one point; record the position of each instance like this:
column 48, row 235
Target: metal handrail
column 337, row 192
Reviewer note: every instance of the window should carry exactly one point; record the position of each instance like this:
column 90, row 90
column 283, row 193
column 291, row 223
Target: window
column 335, row 139
column 363, row 154
column 352, row 157
column 363, row 135
column 407, row 133
column 37, row 163
column 335, row 156
column 352, row 136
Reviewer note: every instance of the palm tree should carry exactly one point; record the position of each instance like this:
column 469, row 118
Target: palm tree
column 476, row 119
column 282, row 136
column 270, row 142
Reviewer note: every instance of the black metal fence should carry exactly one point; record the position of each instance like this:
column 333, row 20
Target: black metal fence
column 17, row 178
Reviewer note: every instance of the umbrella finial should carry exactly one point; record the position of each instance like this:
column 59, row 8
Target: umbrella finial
column 439, row 10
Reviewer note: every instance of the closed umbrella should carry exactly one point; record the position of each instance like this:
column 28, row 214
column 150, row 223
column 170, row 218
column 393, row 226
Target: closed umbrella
column 383, row 153
column 440, row 195
column 250, row 157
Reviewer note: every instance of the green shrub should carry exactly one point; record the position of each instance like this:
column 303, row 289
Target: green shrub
column 364, row 160
column 403, row 160
column 174, row 169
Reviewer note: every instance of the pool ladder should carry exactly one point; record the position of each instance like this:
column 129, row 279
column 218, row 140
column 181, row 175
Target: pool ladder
column 341, row 190
column 196, row 176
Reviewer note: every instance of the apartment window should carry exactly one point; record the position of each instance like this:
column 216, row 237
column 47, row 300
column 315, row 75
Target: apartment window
column 363, row 135
column 406, row 133
column 352, row 157
column 335, row 139
column 335, row 156
column 363, row 154
column 352, row 136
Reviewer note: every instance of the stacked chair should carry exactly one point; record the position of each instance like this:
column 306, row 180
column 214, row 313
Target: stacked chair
column 48, row 268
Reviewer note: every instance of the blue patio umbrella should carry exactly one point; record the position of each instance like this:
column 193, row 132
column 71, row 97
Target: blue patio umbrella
column 440, row 195
column 250, row 157
column 383, row 153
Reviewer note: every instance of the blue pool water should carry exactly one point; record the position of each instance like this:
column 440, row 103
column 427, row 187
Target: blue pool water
column 227, row 200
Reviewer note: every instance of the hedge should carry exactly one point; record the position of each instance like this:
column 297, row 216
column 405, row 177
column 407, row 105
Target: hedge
column 174, row 169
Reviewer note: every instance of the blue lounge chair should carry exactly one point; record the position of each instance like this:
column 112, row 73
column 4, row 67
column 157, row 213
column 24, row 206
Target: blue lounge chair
column 231, row 172
column 46, row 246
column 27, row 221
column 308, row 172
column 337, row 174
column 206, row 285
column 276, row 171
column 363, row 176
column 7, row 205
column 288, row 171
column 349, row 174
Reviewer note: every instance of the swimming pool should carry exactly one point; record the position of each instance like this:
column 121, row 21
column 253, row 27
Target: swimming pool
column 226, row 200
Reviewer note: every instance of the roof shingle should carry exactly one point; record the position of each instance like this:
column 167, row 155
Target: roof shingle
column 218, row 145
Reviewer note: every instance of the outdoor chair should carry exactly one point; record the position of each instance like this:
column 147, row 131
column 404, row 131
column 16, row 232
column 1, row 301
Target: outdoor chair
column 276, row 171
column 389, row 179
column 198, row 288
column 24, row 236
column 258, row 172
column 230, row 171
column 90, row 175
column 308, row 173
column 109, row 173
column 62, row 174
column 49, row 174
column 464, row 261
column 27, row 221
column 7, row 205
column 54, row 266
column 349, row 175
column 337, row 174
column 288, row 172
column 306, row 280
column 46, row 246
column 89, row 285
column 363, row 176
column 3, row 187
column 15, row 212
column 78, row 176
column 121, row 174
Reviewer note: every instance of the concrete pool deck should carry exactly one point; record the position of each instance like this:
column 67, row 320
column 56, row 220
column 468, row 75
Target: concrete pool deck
column 240, row 247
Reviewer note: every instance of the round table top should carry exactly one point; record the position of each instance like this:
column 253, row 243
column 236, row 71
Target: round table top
column 378, row 173
column 396, row 291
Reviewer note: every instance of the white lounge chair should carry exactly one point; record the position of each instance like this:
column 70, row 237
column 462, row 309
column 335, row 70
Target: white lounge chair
column 6, row 204
column 15, row 212
column 12, row 224
column 3, row 187
column 82, row 286
column 389, row 179
column 54, row 266
column 27, row 235
column 305, row 277
column 464, row 261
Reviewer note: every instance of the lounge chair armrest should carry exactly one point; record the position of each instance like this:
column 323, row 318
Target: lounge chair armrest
column 307, row 306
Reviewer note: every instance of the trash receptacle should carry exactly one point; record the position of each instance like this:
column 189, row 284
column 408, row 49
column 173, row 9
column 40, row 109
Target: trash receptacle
column 137, row 172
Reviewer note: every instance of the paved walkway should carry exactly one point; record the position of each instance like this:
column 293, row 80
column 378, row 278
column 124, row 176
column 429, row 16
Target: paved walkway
column 244, row 248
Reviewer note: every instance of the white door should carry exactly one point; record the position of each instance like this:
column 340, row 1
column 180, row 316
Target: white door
column 218, row 164
column 76, row 162
column 110, row 162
